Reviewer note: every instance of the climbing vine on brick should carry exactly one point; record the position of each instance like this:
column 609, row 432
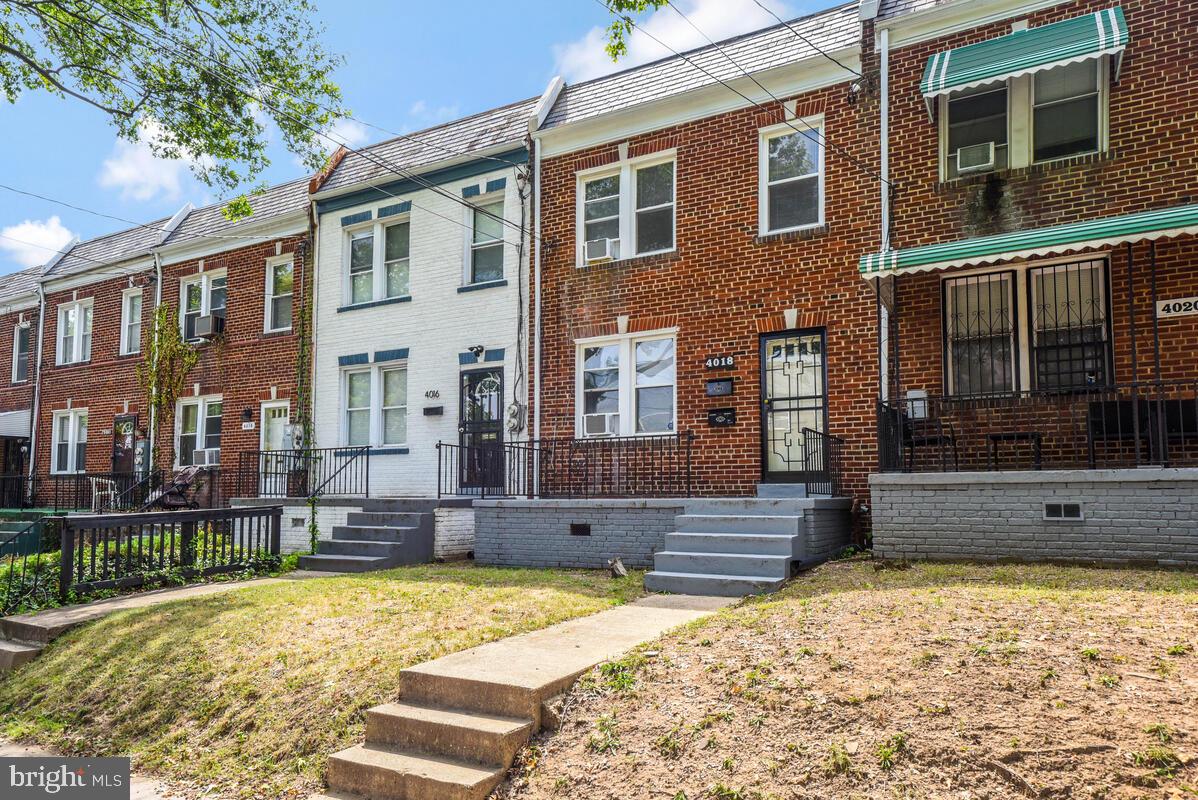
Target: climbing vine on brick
column 163, row 373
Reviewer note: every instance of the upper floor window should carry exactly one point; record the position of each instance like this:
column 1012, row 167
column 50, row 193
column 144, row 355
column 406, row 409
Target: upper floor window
column 792, row 178
column 376, row 406
column 70, row 441
column 628, row 210
column 75, row 332
column 486, row 243
column 280, row 288
column 20, row 352
column 626, row 386
column 203, row 295
column 379, row 273
column 1051, row 114
column 131, row 322
column 199, row 431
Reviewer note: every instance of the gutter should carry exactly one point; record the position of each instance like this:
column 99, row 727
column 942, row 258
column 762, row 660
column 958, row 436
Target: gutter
column 540, row 114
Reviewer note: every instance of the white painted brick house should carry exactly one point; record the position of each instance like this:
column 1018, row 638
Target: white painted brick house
column 421, row 243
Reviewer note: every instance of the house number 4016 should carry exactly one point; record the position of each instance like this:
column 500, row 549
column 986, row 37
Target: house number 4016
column 432, row 394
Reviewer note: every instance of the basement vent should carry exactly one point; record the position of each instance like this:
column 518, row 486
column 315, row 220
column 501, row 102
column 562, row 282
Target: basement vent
column 298, row 522
column 580, row 529
column 1063, row 511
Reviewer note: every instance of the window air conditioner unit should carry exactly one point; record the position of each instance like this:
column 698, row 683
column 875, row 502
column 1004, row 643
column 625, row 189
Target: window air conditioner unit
column 976, row 158
column 209, row 326
column 600, row 250
column 207, row 458
column 601, row 424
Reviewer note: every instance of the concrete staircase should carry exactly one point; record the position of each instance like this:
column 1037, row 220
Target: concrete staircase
column 14, row 653
column 735, row 547
column 384, row 534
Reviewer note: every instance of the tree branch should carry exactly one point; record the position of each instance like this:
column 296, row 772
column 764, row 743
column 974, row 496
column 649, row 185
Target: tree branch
column 50, row 76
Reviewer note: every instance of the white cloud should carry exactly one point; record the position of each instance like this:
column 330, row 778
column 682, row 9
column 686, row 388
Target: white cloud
column 349, row 131
column 427, row 116
column 139, row 174
column 34, row 241
column 719, row 19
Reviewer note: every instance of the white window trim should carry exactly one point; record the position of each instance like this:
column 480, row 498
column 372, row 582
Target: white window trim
column 16, row 339
column 468, row 260
column 72, row 442
column 375, row 440
column 1021, row 118
column 77, row 354
column 378, row 271
column 626, row 169
column 205, row 280
column 203, row 401
column 627, row 383
column 1022, row 296
column 130, row 348
column 267, row 305
column 797, row 127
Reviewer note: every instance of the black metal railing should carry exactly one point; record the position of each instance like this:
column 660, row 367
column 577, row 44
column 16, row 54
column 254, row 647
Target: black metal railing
column 648, row 466
column 823, row 463
column 1135, row 425
column 27, row 569
column 119, row 551
column 341, row 471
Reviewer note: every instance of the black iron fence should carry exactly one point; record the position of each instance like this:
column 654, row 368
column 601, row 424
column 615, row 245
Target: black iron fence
column 823, row 463
column 649, row 466
column 27, row 562
column 341, row 471
column 119, row 551
column 98, row 491
column 1137, row 425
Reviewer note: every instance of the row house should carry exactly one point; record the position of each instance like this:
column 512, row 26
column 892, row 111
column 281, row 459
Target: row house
column 19, row 329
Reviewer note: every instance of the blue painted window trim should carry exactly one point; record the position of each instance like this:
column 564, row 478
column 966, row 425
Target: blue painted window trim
column 471, row 191
column 491, row 356
column 476, row 287
column 496, row 185
column 388, row 191
column 395, row 210
column 354, row 360
column 465, row 359
column 354, row 219
column 407, row 298
column 398, row 354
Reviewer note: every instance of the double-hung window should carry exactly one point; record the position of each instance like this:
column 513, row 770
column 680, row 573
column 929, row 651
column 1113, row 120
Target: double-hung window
column 486, row 243
column 280, row 289
column 378, row 273
column 627, row 386
column 628, row 210
column 376, row 406
column 20, row 352
column 977, row 118
column 1065, row 111
column 1070, row 342
column 70, row 441
column 199, row 434
column 980, row 324
column 203, row 295
column 131, row 322
column 75, row 332
column 792, row 177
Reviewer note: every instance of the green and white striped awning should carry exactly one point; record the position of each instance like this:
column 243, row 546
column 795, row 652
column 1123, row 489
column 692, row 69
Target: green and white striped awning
column 1023, row 52
column 1057, row 240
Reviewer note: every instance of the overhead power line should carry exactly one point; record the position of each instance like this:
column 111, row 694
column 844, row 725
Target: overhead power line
column 805, row 40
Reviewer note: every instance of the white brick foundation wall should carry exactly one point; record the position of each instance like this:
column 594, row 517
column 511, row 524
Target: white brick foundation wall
column 455, row 533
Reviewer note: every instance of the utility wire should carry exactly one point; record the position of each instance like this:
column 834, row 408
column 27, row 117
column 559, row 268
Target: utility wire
column 805, row 40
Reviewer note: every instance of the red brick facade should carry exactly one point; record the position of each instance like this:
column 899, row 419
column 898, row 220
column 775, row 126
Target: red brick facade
column 725, row 286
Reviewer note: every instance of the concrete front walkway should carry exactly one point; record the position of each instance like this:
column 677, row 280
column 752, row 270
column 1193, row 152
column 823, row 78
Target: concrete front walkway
column 463, row 717
column 142, row 788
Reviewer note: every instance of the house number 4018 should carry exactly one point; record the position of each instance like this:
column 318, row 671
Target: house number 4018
column 720, row 362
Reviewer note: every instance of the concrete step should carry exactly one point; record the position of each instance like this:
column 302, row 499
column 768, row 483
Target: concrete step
column 385, row 519
column 774, row 544
column 372, row 534
column 739, row 523
column 14, row 654
column 749, row 506
column 356, row 547
column 464, row 735
column 757, row 564
column 781, row 490
column 401, row 505
column 711, row 585
column 328, row 563
column 383, row 773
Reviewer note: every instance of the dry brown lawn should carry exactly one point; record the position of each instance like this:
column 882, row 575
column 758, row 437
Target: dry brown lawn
column 937, row 681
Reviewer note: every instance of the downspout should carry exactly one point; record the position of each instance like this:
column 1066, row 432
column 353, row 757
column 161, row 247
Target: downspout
column 536, row 346
column 313, row 328
column 152, row 436
column 37, row 386
column 886, row 197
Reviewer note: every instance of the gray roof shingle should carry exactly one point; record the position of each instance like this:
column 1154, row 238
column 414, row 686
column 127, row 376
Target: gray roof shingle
column 112, row 248
column 896, row 8
column 272, row 202
column 829, row 30
column 16, row 284
column 508, row 124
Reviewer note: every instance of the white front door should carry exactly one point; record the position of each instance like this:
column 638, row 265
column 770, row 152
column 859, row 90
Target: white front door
column 276, row 421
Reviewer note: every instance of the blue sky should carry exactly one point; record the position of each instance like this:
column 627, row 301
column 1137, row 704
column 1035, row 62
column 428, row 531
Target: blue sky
column 408, row 65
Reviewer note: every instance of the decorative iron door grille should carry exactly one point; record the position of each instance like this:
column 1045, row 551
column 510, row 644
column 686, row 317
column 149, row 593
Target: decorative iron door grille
column 794, row 397
column 981, row 354
column 480, row 431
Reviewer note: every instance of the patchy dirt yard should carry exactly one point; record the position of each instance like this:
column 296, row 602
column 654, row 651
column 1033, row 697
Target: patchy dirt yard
column 937, row 681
